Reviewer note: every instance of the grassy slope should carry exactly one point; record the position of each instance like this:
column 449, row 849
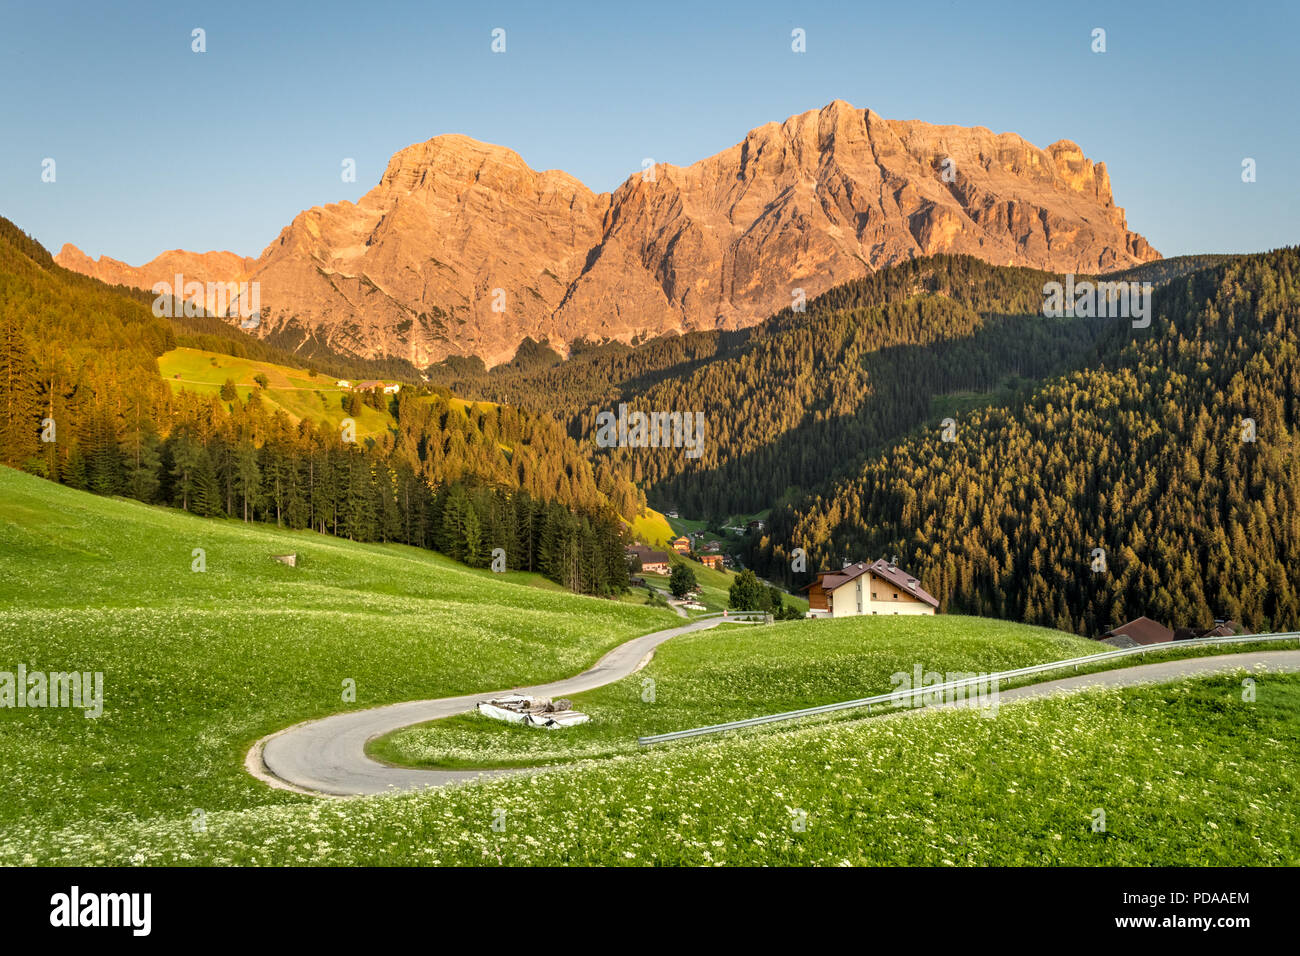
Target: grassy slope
column 199, row 665
column 1186, row 774
column 712, row 677
column 653, row 528
column 293, row 390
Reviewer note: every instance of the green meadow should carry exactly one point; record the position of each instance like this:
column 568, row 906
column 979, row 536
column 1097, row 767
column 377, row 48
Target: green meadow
column 200, row 664
column 204, row 653
column 711, row 677
column 1180, row 774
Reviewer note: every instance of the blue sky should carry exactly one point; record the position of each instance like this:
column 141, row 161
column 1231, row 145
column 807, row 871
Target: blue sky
column 158, row 147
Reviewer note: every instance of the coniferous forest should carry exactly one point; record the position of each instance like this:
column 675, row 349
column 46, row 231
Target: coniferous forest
column 1070, row 435
column 1173, row 450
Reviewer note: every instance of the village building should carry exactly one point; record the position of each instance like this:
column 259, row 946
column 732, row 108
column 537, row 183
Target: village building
column 1143, row 631
column 713, row 561
column 682, row 544
column 652, row 562
column 876, row 588
column 1139, row 632
column 1227, row 628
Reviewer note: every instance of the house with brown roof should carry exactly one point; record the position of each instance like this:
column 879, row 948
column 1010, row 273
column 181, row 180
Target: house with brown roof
column 713, row 561
column 682, row 544
column 862, row 588
column 1228, row 628
column 1141, row 631
column 652, row 562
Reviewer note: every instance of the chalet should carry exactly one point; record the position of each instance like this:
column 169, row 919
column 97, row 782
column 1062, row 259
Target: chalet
column 392, row 389
column 343, row 383
column 366, row 386
column 682, row 544
column 876, row 588
column 652, row 562
column 713, row 561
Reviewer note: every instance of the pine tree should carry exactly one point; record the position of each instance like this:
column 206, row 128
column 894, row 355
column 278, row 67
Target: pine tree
column 20, row 407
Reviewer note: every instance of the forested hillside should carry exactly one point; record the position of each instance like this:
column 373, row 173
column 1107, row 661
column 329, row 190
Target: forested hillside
column 814, row 395
column 82, row 402
column 806, row 396
column 1145, row 454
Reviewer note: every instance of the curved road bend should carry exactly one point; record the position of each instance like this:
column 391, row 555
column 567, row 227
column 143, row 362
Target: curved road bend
column 328, row 756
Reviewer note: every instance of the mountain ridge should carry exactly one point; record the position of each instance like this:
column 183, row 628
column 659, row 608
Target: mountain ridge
column 463, row 249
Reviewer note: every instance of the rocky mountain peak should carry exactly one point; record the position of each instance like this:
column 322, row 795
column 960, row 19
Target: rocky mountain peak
column 463, row 249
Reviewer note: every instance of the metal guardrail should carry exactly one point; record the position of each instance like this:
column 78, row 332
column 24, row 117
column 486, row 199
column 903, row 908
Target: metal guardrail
column 899, row 697
column 737, row 617
column 730, row 615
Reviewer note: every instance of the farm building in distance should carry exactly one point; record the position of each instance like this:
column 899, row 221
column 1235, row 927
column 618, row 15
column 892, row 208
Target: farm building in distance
column 1143, row 631
column 367, row 386
column 682, row 544
column 877, row 588
column 713, row 561
column 652, row 562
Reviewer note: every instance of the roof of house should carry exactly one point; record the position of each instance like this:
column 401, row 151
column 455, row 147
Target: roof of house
column 896, row 575
column 647, row 555
column 1143, row 630
column 1227, row 628
column 830, row 580
column 1120, row 641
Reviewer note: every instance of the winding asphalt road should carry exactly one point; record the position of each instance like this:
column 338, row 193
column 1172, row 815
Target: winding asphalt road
column 328, row 756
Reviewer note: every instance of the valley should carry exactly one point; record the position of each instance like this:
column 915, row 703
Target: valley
column 724, row 435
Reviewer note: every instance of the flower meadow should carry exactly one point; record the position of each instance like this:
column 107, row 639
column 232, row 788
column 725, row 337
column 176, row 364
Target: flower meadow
column 729, row 674
column 199, row 664
column 1185, row 774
